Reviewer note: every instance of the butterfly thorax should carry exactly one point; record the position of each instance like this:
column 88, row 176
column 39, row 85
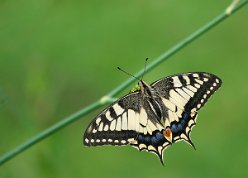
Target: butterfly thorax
column 152, row 102
column 146, row 89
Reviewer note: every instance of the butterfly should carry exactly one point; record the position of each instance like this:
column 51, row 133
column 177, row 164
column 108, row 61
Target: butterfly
column 154, row 116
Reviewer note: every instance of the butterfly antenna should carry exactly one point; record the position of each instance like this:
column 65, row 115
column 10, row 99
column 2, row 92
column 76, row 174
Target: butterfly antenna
column 144, row 68
column 128, row 73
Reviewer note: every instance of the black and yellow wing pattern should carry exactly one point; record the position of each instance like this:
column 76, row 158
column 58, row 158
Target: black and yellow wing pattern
column 155, row 116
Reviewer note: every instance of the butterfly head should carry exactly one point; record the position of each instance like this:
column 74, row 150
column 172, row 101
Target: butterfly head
column 145, row 88
column 168, row 134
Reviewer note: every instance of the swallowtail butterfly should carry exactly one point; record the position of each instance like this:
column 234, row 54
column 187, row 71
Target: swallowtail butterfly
column 156, row 115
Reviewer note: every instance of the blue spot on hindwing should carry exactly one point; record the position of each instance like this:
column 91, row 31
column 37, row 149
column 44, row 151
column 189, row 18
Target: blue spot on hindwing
column 156, row 139
column 147, row 139
column 174, row 128
column 179, row 127
column 159, row 136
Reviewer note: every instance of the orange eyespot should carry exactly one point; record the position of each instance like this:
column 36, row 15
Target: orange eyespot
column 167, row 133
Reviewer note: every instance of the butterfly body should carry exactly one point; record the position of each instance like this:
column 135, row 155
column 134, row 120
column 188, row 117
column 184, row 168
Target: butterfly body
column 156, row 115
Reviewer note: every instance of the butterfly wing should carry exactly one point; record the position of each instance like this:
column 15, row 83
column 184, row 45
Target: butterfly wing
column 116, row 125
column 184, row 95
column 127, row 122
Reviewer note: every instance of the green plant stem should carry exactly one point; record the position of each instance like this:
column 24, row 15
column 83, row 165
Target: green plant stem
column 49, row 131
column 109, row 97
column 177, row 47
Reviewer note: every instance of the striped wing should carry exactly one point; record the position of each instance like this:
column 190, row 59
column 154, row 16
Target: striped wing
column 120, row 123
column 184, row 95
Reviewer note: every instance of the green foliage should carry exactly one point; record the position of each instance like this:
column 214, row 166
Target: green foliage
column 57, row 57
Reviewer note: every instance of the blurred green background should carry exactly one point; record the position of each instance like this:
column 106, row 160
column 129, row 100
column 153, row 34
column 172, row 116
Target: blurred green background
column 58, row 56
